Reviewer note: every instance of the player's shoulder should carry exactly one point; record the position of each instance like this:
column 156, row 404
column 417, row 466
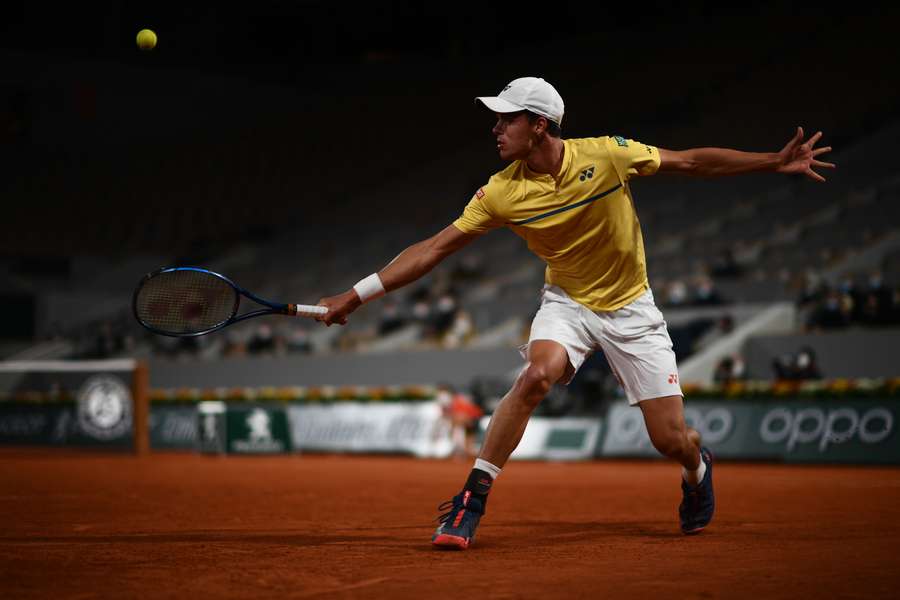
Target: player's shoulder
column 603, row 141
column 501, row 182
column 512, row 173
column 594, row 143
column 596, row 147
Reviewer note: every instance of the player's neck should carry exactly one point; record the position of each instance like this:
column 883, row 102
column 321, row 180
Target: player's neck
column 547, row 157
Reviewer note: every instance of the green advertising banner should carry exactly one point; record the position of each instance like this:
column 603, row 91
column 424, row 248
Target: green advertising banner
column 855, row 431
column 62, row 424
column 831, row 431
column 173, row 427
column 257, row 429
column 22, row 423
column 78, row 403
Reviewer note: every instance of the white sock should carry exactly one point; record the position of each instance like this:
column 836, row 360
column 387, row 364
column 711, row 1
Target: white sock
column 694, row 477
column 487, row 467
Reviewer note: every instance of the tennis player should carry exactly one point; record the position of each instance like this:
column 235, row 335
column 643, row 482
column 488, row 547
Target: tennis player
column 570, row 200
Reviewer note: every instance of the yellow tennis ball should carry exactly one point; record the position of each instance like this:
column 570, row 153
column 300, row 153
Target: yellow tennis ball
column 146, row 39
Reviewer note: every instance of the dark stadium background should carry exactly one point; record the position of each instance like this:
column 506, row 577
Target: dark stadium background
column 314, row 123
column 299, row 146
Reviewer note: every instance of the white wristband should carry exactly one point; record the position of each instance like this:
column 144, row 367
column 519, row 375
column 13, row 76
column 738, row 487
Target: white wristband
column 369, row 288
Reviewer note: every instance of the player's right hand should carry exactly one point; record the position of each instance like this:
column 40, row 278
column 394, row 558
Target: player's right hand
column 338, row 308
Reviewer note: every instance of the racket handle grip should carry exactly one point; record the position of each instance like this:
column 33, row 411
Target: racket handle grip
column 306, row 310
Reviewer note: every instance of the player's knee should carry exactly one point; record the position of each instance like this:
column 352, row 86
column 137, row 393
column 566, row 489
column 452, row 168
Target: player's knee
column 535, row 381
column 670, row 442
column 693, row 437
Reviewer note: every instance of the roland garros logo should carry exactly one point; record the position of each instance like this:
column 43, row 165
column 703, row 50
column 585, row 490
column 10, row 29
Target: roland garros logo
column 104, row 407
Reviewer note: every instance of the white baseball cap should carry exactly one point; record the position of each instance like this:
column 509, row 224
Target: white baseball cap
column 527, row 93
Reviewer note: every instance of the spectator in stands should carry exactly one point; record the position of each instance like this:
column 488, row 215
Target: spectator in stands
column 677, row 293
column 847, row 288
column 460, row 330
column 262, row 341
column 805, row 365
column 469, row 268
column 835, row 312
column 873, row 312
column 235, row 342
column 875, row 301
column 725, row 265
column 444, row 313
column 391, row 317
column 420, row 303
column 783, row 367
column 705, row 293
column 797, row 367
column 298, row 341
column 730, row 369
column 813, row 287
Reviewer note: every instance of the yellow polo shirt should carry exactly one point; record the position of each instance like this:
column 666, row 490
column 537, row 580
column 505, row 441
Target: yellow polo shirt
column 582, row 224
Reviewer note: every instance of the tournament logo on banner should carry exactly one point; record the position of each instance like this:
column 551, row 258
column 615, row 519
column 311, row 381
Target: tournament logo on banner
column 257, row 430
column 104, row 407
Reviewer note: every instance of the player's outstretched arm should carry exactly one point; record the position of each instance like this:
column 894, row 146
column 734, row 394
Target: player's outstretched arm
column 796, row 157
column 408, row 266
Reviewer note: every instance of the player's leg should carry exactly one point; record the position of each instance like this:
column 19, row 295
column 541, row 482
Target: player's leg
column 670, row 434
column 548, row 362
column 557, row 347
column 639, row 350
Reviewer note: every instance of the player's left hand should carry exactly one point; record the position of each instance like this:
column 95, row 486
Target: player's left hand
column 800, row 157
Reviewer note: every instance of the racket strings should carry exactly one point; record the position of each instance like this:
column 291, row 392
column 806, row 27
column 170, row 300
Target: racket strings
column 185, row 301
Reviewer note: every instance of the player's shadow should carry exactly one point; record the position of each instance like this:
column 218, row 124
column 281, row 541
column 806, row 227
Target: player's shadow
column 563, row 532
column 197, row 537
column 413, row 537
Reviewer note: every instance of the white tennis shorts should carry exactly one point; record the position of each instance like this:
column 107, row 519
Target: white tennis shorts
column 634, row 339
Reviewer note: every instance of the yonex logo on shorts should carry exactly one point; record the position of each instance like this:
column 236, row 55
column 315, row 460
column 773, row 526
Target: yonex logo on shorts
column 587, row 174
column 673, row 378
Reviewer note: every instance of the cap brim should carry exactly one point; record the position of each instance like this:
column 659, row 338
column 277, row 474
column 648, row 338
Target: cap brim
column 499, row 105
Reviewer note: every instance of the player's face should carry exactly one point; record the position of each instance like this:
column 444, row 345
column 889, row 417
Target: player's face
column 515, row 137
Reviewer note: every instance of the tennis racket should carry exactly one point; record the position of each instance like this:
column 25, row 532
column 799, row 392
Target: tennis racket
column 190, row 301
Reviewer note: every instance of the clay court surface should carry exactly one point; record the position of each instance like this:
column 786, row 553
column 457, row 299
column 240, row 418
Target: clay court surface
column 190, row 526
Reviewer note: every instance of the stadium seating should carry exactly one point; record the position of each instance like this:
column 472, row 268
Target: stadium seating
column 296, row 222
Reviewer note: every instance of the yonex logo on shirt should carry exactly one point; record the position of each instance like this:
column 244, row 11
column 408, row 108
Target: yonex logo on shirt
column 587, row 173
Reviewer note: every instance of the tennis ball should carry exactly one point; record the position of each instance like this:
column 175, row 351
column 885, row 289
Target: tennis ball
column 146, row 39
